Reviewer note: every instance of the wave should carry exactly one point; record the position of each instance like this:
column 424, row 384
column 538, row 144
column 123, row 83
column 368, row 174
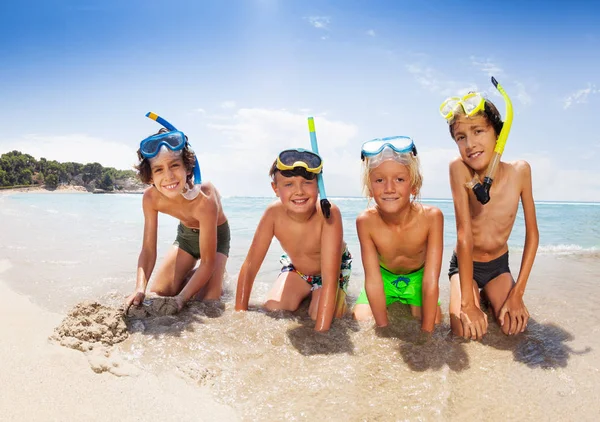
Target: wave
column 567, row 250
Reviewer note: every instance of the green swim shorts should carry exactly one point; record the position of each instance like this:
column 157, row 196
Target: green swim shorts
column 404, row 288
column 189, row 239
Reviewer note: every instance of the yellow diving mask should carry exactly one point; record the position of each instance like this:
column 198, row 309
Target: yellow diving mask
column 472, row 103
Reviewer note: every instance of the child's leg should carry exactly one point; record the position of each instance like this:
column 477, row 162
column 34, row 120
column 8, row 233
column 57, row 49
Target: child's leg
column 416, row 311
column 455, row 298
column 497, row 291
column 340, row 304
column 362, row 312
column 173, row 269
column 213, row 289
column 287, row 293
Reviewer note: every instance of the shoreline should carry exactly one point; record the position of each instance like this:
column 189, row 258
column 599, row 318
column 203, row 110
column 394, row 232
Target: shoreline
column 52, row 382
column 66, row 189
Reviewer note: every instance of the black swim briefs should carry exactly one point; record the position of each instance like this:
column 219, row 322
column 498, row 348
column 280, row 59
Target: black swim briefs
column 483, row 272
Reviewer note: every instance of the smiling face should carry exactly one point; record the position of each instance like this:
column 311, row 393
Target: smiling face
column 297, row 194
column 476, row 140
column 390, row 186
column 168, row 171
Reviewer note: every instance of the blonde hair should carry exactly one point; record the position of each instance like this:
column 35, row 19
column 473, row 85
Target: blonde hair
column 414, row 170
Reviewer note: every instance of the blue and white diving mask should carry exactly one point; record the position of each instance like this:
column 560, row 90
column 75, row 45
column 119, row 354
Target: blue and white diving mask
column 175, row 140
column 395, row 148
column 150, row 146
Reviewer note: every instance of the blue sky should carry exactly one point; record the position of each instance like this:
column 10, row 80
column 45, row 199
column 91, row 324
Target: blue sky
column 241, row 77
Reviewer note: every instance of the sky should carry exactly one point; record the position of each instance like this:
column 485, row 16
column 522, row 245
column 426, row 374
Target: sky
column 240, row 79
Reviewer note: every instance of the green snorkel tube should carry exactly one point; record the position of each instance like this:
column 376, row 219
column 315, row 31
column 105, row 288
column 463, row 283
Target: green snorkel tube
column 325, row 204
column 482, row 190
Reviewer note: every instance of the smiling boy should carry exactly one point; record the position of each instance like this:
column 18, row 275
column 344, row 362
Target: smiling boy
column 167, row 163
column 480, row 261
column 316, row 261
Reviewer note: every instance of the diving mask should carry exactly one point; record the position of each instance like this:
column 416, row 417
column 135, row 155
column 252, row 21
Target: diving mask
column 290, row 159
column 472, row 103
column 394, row 148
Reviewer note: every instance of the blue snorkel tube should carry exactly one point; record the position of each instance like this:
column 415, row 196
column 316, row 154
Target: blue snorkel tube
column 325, row 204
column 170, row 127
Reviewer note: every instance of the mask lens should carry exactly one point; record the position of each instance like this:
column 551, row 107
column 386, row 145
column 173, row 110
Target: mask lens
column 400, row 143
column 290, row 157
column 173, row 140
column 471, row 103
column 373, row 147
column 449, row 106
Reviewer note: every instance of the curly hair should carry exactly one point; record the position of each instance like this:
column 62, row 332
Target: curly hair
column 144, row 170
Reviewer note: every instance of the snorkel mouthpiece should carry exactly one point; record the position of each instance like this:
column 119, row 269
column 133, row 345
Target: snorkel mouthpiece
column 482, row 189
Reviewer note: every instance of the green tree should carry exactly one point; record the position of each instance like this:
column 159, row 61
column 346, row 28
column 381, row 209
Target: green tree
column 52, row 181
column 107, row 182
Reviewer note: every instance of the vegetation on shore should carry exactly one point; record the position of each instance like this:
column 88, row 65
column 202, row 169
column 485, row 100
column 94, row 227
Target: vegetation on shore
column 23, row 170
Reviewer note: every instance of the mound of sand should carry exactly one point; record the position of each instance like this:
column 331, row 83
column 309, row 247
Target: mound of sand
column 90, row 323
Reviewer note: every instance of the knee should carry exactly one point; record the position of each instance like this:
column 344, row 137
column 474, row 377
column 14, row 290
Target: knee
column 362, row 312
column 274, row 305
column 456, row 325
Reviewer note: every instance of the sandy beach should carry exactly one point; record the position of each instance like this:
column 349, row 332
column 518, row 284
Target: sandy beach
column 43, row 381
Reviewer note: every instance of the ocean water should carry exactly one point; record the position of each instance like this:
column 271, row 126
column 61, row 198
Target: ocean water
column 60, row 249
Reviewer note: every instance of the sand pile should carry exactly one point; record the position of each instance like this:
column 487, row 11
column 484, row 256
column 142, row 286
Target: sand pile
column 90, row 323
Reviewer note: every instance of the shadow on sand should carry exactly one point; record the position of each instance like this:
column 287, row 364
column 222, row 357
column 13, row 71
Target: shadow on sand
column 540, row 346
column 422, row 351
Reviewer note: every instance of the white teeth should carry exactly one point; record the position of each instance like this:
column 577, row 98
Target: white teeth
column 171, row 186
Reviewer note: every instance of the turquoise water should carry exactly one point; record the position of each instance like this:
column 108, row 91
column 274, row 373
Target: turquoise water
column 90, row 243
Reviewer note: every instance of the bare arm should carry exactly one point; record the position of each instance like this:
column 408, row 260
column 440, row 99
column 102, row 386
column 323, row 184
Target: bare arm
column 331, row 256
column 474, row 321
column 433, row 266
column 207, row 215
column 147, row 258
column 532, row 235
column 514, row 305
column 373, row 280
column 258, row 249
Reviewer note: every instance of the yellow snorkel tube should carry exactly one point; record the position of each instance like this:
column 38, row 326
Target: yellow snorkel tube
column 482, row 189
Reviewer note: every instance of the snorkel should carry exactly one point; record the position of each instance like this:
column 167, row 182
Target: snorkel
column 325, row 204
column 187, row 193
column 482, row 189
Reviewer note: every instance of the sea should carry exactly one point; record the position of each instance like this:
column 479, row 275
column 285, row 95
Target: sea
column 63, row 248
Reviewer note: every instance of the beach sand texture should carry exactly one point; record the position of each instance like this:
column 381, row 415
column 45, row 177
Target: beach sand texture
column 211, row 363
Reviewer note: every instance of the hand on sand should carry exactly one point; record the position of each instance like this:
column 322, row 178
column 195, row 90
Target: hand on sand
column 134, row 299
column 517, row 314
column 154, row 306
column 474, row 322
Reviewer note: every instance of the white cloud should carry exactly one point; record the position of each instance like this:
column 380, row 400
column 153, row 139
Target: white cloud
column 433, row 81
column 487, row 66
column 252, row 137
column 580, row 96
column 522, row 95
column 200, row 110
column 319, row 22
column 228, row 104
column 371, row 32
column 78, row 148
column 553, row 181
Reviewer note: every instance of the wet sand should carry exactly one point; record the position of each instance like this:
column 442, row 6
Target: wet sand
column 273, row 366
